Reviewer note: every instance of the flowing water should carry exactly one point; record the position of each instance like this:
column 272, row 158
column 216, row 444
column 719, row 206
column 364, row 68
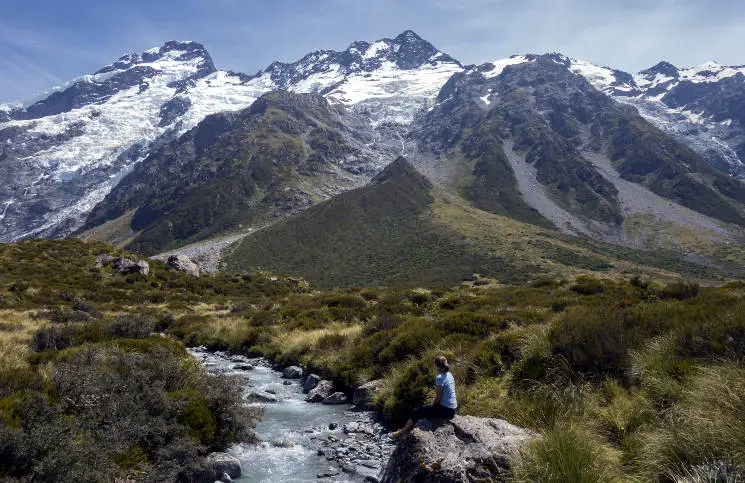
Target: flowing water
column 296, row 442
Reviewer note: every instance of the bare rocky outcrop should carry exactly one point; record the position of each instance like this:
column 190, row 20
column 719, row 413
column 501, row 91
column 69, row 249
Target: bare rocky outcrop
column 124, row 265
column 463, row 449
column 183, row 264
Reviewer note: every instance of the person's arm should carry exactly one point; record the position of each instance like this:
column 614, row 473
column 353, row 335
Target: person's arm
column 438, row 394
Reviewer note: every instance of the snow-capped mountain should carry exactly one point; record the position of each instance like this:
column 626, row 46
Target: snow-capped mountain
column 703, row 106
column 66, row 151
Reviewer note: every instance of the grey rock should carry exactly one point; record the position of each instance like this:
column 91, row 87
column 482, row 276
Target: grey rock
column 292, row 372
column 126, row 265
column 453, row 450
column 184, row 264
column 261, row 398
column 243, row 367
column 336, row 398
column 310, row 382
column 223, row 463
column 287, row 383
column 349, row 469
column 364, row 396
column 103, row 260
column 333, row 426
column 330, row 473
column 320, row 392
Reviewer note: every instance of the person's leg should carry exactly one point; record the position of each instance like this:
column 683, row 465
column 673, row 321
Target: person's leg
column 425, row 411
column 443, row 412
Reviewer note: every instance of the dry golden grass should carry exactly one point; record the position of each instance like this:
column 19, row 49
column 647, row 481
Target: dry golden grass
column 299, row 338
column 16, row 331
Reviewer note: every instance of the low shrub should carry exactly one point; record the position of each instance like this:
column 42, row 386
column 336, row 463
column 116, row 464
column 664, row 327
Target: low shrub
column 680, row 290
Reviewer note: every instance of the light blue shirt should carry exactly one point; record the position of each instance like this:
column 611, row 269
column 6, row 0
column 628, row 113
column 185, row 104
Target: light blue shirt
column 448, row 390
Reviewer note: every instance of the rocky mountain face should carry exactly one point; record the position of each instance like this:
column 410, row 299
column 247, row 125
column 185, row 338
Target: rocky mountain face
column 236, row 170
column 65, row 152
column 702, row 106
column 534, row 140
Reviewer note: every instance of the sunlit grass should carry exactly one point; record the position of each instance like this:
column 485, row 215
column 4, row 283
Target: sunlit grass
column 16, row 331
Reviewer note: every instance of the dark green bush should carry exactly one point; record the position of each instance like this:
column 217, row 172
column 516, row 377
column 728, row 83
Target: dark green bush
column 472, row 323
column 587, row 285
column 131, row 326
column 680, row 290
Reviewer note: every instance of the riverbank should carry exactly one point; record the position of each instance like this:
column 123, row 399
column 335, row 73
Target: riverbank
column 299, row 441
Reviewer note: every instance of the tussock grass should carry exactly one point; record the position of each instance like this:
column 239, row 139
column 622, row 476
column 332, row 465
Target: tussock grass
column 705, row 428
column 568, row 453
column 16, row 331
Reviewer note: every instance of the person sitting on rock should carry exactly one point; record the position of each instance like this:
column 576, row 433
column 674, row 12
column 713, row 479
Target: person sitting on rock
column 445, row 404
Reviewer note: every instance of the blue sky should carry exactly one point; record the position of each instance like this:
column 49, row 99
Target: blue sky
column 44, row 43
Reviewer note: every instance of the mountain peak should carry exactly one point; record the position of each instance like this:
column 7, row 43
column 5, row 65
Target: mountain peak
column 401, row 170
column 408, row 36
column 664, row 68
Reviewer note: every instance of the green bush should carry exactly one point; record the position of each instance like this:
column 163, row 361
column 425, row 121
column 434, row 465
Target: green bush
column 471, row 323
column 680, row 290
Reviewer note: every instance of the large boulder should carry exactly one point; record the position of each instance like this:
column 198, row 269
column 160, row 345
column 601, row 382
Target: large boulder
column 124, row 265
column 310, row 383
column 292, row 372
column 463, row 449
column 322, row 390
column 223, row 463
column 336, row 398
column 184, row 264
column 364, row 396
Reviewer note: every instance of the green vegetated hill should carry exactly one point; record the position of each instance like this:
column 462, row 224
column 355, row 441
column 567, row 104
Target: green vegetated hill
column 626, row 379
column 401, row 231
column 233, row 170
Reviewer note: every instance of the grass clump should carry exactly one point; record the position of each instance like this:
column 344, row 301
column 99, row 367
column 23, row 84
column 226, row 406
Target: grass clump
column 568, row 453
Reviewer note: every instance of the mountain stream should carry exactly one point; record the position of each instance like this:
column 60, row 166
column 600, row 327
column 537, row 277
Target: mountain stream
column 297, row 444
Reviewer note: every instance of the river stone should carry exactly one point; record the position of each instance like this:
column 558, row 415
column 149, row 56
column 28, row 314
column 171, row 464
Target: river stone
column 292, row 372
column 261, row 398
column 336, row 398
column 220, row 463
column 364, row 396
column 183, row 264
column 243, row 367
column 459, row 450
column 310, row 383
column 320, row 392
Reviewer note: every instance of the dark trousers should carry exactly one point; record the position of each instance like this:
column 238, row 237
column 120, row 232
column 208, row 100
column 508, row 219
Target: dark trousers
column 432, row 411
